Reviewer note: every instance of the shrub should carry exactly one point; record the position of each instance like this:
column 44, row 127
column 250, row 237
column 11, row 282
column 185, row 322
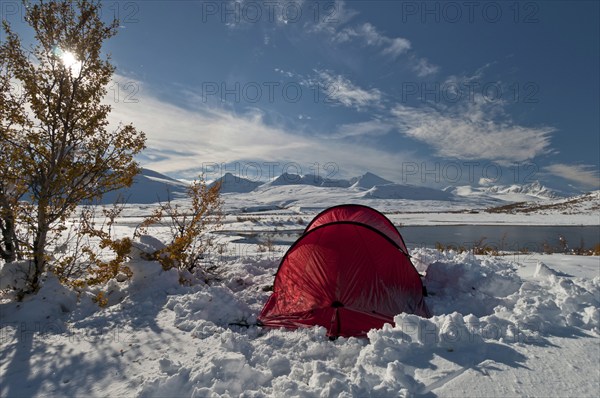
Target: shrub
column 190, row 228
column 82, row 265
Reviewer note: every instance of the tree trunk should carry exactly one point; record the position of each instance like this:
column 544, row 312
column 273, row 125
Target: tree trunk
column 39, row 247
column 9, row 245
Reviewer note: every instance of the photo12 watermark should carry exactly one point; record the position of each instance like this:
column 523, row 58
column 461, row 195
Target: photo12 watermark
column 473, row 331
column 126, row 92
column 291, row 172
column 49, row 332
column 126, row 12
column 331, row 92
column 279, row 11
column 470, row 12
column 470, row 91
column 473, row 172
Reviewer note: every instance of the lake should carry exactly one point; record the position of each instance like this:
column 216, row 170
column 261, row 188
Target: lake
column 501, row 237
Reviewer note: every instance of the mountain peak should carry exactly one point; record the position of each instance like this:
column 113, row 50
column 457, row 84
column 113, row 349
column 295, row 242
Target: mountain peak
column 231, row 183
column 368, row 181
column 534, row 188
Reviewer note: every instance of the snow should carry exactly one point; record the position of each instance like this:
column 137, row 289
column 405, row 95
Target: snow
column 148, row 187
column 368, row 180
column 309, row 200
column 302, row 193
column 535, row 189
column 399, row 191
column 517, row 324
column 234, row 184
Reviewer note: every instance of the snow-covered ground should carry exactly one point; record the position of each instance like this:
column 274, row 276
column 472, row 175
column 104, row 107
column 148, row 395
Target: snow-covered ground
column 512, row 325
column 306, row 200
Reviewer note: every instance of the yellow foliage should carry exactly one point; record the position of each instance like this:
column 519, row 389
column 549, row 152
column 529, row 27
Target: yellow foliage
column 101, row 300
column 57, row 148
column 190, row 228
column 84, row 267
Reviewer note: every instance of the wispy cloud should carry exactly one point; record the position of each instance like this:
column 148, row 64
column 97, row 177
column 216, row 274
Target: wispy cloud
column 585, row 175
column 396, row 46
column 424, row 68
column 181, row 141
column 340, row 90
column 368, row 35
column 368, row 128
column 471, row 131
column 331, row 17
column 337, row 89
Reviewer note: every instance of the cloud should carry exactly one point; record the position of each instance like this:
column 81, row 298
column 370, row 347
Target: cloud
column 423, row 68
column 180, row 141
column 585, row 175
column 285, row 73
column 470, row 132
column 487, row 182
column 330, row 17
column 369, row 35
column 367, row 128
column 339, row 89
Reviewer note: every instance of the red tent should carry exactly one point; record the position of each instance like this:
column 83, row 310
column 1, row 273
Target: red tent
column 349, row 271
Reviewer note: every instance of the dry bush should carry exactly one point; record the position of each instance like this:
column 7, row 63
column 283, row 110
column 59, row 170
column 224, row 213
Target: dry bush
column 82, row 265
column 93, row 255
column 190, row 227
column 266, row 246
column 483, row 249
column 547, row 248
column 450, row 247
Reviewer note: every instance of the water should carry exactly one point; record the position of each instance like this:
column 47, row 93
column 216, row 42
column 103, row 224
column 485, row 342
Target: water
column 501, row 237
column 504, row 237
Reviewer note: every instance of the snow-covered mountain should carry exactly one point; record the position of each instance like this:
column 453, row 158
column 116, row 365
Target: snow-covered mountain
column 308, row 179
column 368, row 181
column 367, row 186
column 411, row 192
column 148, row 187
column 580, row 204
column 532, row 189
column 151, row 187
column 362, row 182
column 296, row 179
column 507, row 193
column 233, row 184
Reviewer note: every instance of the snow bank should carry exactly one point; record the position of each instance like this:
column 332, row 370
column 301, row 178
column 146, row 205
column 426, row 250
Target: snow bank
column 13, row 275
column 52, row 302
column 483, row 310
column 164, row 339
column 490, row 286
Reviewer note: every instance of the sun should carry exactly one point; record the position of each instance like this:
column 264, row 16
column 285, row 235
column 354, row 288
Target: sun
column 69, row 60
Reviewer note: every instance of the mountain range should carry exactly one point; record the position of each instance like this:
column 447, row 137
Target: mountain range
column 150, row 187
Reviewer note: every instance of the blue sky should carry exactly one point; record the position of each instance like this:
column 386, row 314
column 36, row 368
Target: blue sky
column 428, row 93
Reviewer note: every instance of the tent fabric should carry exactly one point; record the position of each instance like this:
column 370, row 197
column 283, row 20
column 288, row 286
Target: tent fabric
column 359, row 213
column 345, row 275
